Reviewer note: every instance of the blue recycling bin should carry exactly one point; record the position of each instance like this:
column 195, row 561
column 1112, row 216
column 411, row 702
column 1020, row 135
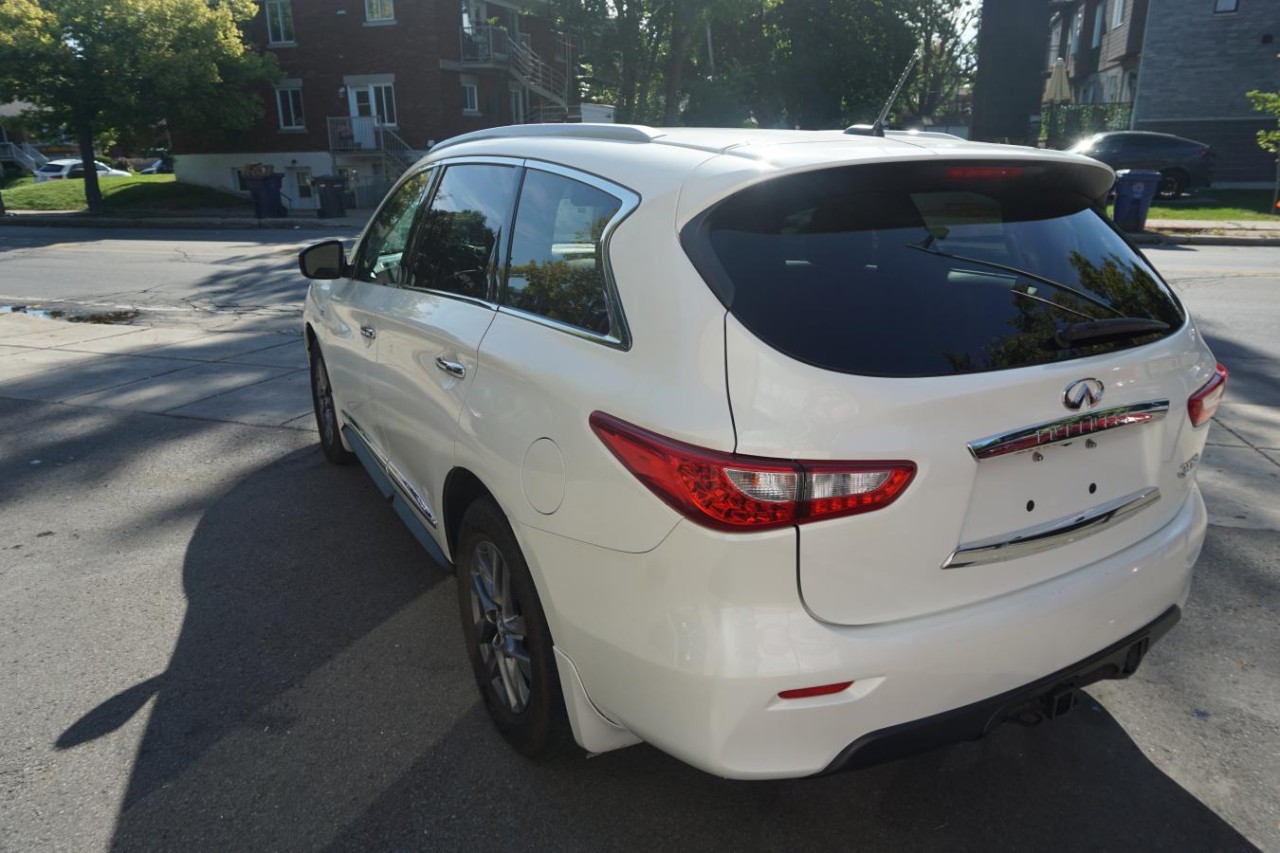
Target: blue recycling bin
column 265, row 192
column 1135, row 188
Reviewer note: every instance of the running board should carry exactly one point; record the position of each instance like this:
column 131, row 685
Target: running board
column 378, row 470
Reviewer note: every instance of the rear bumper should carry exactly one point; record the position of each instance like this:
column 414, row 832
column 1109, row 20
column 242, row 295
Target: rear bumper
column 1043, row 697
column 689, row 645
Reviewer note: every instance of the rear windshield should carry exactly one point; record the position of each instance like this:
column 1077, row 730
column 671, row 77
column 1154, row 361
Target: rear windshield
column 928, row 270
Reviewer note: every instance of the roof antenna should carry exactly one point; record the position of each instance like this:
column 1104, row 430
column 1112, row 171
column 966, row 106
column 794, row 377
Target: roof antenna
column 877, row 129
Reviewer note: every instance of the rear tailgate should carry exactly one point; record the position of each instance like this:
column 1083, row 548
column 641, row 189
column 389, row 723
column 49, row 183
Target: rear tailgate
column 948, row 313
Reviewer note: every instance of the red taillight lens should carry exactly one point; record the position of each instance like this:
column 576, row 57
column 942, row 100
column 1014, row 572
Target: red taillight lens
column 732, row 492
column 806, row 692
column 1204, row 402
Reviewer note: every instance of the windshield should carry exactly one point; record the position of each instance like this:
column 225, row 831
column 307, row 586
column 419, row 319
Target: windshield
column 903, row 270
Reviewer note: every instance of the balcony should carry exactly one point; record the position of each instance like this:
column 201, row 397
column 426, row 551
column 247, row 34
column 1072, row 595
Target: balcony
column 485, row 46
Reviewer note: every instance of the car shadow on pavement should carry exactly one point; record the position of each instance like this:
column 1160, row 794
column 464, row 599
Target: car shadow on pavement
column 319, row 697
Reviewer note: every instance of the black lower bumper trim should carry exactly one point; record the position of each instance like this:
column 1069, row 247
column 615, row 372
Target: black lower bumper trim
column 1047, row 697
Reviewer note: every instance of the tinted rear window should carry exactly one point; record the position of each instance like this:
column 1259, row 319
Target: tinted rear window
column 911, row 270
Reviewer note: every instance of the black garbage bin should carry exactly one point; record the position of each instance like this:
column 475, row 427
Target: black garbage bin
column 329, row 194
column 1135, row 188
column 265, row 191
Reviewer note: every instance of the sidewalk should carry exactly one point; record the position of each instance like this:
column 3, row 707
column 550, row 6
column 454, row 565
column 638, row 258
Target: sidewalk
column 258, row 378
column 353, row 221
column 1219, row 232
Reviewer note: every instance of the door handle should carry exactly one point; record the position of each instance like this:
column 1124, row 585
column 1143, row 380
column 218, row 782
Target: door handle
column 369, row 332
column 453, row 368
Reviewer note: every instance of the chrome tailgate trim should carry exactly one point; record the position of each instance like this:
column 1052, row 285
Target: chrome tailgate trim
column 1067, row 429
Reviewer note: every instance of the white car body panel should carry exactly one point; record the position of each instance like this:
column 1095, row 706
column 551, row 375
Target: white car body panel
column 684, row 636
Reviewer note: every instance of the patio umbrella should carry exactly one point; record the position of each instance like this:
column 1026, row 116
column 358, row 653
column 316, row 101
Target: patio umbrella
column 1058, row 89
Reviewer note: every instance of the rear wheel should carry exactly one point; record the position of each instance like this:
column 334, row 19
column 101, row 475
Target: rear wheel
column 326, row 412
column 1173, row 183
column 507, row 638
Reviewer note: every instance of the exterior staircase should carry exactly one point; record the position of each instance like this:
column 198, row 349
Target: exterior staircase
column 494, row 47
column 27, row 156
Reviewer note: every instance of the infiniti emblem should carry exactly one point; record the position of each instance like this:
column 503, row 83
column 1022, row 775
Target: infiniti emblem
column 1085, row 393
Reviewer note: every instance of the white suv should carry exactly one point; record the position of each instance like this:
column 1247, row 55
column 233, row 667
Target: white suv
column 781, row 451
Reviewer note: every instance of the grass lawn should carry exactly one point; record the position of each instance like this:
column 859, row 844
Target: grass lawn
column 1216, row 204
column 135, row 194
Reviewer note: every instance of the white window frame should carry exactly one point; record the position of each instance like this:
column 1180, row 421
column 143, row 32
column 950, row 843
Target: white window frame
column 1226, row 7
column 1099, row 22
column 279, row 12
column 289, row 105
column 519, row 104
column 383, row 98
column 1117, row 13
column 379, row 11
column 470, row 96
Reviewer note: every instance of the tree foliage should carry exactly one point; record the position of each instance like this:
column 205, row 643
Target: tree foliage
column 126, row 65
column 1267, row 102
column 784, row 63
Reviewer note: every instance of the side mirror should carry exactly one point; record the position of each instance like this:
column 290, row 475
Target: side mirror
column 323, row 260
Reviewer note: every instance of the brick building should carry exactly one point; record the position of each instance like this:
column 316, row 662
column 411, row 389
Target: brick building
column 1199, row 59
column 1172, row 66
column 370, row 85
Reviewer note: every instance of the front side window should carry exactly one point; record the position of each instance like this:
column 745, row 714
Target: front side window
column 929, row 269
column 557, row 261
column 463, row 229
column 380, row 257
column 289, row 108
column 279, row 21
column 379, row 10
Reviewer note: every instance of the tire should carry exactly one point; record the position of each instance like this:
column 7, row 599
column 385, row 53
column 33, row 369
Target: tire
column 326, row 412
column 508, row 642
column 1173, row 183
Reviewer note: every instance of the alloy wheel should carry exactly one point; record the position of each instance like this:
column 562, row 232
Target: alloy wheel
column 500, row 627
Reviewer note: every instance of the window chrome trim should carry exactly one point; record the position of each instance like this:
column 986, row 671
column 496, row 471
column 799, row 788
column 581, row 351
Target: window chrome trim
column 1067, row 429
column 1052, row 534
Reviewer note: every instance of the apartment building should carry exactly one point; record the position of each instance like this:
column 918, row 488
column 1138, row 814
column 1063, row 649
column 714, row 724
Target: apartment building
column 1199, row 59
column 369, row 85
column 1171, row 66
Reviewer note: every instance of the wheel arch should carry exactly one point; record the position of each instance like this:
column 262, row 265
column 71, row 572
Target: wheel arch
column 461, row 489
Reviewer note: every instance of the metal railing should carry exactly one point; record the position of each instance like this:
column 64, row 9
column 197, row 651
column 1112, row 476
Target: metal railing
column 484, row 45
column 25, row 155
column 495, row 46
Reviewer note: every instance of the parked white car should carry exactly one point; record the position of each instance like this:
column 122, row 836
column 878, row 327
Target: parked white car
column 782, row 451
column 57, row 170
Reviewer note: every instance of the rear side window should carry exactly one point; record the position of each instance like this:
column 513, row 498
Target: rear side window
column 927, row 270
column 557, row 266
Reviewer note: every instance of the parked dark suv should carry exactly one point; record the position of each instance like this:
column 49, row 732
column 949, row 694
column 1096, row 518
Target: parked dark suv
column 1182, row 163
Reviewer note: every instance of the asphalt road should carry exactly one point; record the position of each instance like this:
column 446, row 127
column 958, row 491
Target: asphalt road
column 210, row 639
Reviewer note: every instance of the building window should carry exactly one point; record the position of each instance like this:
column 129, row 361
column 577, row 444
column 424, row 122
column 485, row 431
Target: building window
column 289, row 108
column 517, row 105
column 1099, row 21
column 1117, row 13
column 470, row 97
column 377, row 100
column 237, row 177
column 1220, row 6
column 379, row 10
column 279, row 21
column 1073, row 34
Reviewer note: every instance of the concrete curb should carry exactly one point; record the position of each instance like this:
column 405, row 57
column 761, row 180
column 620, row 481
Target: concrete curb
column 170, row 222
column 1155, row 238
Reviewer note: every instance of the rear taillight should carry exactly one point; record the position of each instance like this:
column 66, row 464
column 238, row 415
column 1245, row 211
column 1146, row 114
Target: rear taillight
column 731, row 492
column 1204, row 402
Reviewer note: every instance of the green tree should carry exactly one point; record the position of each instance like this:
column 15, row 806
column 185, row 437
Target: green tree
column 945, row 32
column 126, row 65
column 1267, row 102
